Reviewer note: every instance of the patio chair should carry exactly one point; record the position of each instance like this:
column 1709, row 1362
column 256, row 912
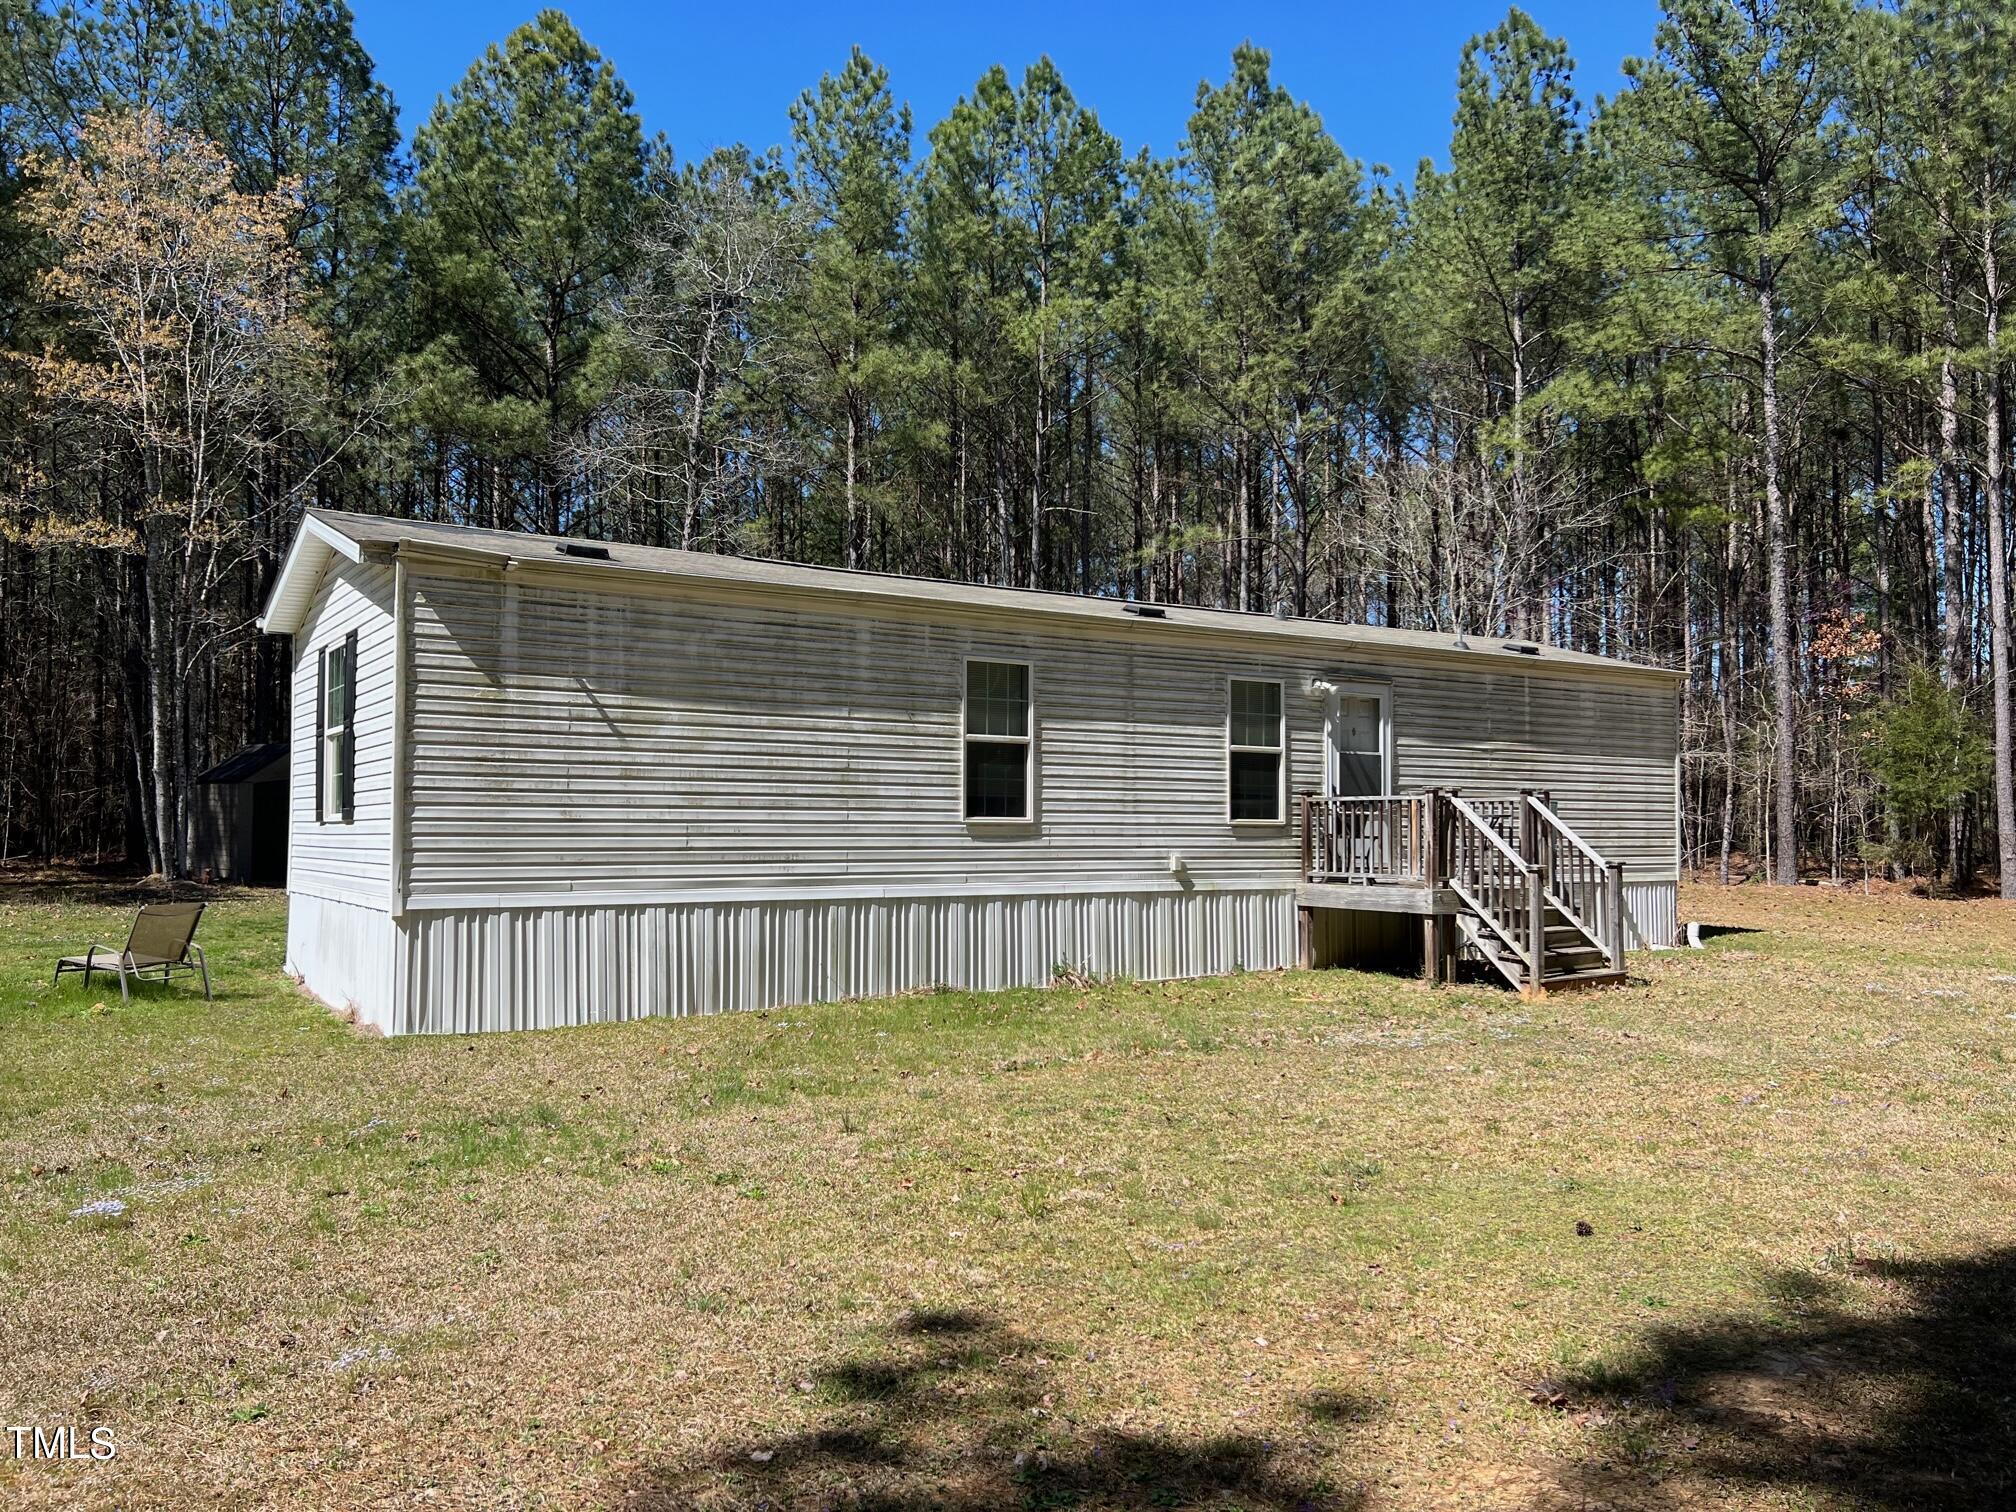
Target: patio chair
column 162, row 940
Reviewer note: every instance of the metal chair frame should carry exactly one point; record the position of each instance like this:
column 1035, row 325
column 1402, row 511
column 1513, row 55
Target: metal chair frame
column 129, row 965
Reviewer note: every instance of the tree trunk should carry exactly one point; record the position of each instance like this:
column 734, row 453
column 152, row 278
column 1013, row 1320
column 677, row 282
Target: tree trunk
column 1946, row 476
column 1783, row 687
column 1038, row 419
column 695, row 429
column 162, row 734
column 1523, row 620
column 1725, row 679
column 850, row 550
column 1998, row 560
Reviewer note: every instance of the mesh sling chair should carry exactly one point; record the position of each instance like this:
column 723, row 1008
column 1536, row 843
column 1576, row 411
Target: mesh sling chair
column 161, row 940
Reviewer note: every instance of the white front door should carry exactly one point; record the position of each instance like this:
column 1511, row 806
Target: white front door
column 1356, row 758
column 1358, row 746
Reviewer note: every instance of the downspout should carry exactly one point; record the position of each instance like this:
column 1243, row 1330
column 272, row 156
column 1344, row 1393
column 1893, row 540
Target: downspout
column 1679, row 800
column 397, row 797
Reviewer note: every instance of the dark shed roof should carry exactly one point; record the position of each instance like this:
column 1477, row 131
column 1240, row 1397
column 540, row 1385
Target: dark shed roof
column 244, row 766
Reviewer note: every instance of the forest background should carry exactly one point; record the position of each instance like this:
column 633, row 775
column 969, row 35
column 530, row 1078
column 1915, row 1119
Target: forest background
column 1709, row 374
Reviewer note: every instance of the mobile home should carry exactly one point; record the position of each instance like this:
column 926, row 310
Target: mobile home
column 541, row 781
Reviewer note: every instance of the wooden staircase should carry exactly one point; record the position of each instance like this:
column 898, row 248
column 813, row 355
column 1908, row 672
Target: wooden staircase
column 1571, row 959
column 1539, row 904
column 1523, row 892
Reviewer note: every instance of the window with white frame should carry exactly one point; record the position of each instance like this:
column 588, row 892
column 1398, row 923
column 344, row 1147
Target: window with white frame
column 998, row 733
column 1255, row 751
column 336, row 752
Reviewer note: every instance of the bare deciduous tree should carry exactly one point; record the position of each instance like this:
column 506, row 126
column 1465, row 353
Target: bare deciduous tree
column 187, row 356
column 697, row 415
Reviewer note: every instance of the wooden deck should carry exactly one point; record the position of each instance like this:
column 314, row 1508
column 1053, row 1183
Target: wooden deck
column 1500, row 879
column 1377, row 897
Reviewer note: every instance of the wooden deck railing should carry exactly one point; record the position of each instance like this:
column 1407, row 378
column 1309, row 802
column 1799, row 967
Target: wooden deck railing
column 1497, row 883
column 1586, row 889
column 1384, row 839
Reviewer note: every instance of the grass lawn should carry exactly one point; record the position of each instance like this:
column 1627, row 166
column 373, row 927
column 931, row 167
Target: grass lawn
column 1741, row 1234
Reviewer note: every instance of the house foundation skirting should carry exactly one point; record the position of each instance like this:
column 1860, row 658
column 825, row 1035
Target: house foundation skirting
column 457, row 971
column 468, row 970
column 344, row 953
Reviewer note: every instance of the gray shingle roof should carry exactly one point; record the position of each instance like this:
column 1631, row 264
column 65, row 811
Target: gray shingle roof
column 381, row 535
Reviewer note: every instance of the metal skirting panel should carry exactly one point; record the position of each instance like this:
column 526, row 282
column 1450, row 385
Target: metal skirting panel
column 1651, row 914
column 344, row 953
column 542, row 968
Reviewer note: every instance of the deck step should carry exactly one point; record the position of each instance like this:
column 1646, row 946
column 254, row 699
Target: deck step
column 1501, row 957
column 1571, row 960
column 1571, row 979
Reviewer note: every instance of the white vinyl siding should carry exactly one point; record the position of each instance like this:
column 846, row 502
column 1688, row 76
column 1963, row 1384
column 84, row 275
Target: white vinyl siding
column 336, row 860
column 1604, row 750
column 598, row 744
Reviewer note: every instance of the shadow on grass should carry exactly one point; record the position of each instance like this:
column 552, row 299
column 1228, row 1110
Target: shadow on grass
column 1906, row 1403
column 958, row 1411
column 110, row 887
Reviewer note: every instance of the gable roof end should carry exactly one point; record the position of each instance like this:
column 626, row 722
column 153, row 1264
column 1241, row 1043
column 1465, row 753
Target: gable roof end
column 316, row 545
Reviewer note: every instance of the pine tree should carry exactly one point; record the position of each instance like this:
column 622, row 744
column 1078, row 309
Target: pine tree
column 1730, row 108
column 968, row 282
column 1501, row 289
column 1154, row 317
column 1988, row 33
column 289, row 92
column 521, row 224
column 1063, row 200
column 1929, row 755
column 853, row 148
column 1289, row 351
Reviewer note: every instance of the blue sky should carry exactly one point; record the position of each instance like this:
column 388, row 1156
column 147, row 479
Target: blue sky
column 1382, row 76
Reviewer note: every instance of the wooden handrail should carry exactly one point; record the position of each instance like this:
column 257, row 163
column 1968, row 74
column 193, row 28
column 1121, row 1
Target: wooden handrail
column 1586, row 889
column 1566, row 833
column 1485, row 828
column 1497, row 884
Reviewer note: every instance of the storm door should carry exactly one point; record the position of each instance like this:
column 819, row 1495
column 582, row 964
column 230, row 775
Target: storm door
column 1358, row 766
